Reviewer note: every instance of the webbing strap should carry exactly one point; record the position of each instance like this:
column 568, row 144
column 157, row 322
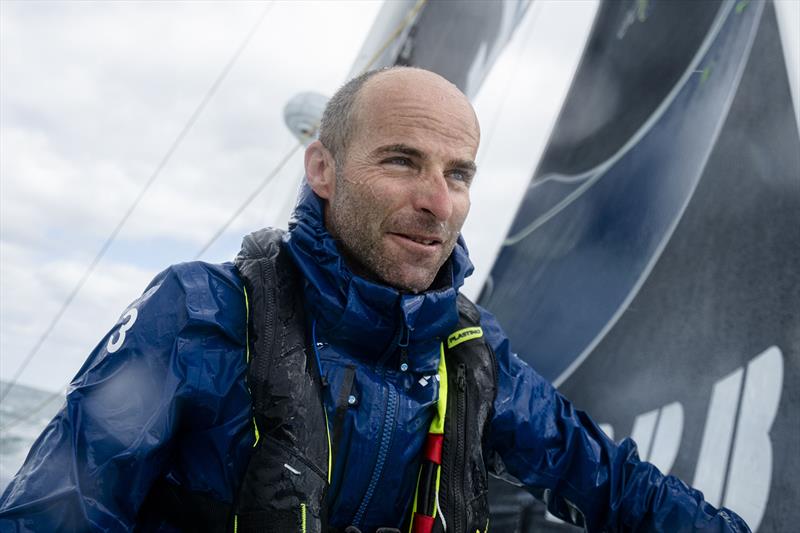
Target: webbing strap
column 437, row 424
column 426, row 494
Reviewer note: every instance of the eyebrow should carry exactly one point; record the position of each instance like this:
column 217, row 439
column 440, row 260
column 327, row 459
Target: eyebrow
column 463, row 164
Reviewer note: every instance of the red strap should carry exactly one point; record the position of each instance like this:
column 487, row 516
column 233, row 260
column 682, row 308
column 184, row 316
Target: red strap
column 422, row 523
column 433, row 448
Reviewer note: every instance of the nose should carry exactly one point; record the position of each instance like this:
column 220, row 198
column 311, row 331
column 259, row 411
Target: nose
column 434, row 196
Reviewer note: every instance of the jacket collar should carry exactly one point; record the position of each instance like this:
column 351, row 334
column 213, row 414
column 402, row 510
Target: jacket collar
column 368, row 317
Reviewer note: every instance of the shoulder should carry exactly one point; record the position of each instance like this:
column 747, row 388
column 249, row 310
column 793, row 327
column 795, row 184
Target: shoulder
column 492, row 330
column 199, row 277
column 511, row 366
column 199, row 293
column 474, row 314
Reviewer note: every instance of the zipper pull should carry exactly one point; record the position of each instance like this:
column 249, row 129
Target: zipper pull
column 403, row 344
column 461, row 378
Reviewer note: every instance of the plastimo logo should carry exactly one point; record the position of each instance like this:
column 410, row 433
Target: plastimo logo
column 463, row 335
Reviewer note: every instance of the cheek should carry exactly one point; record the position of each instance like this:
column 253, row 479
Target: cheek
column 461, row 205
column 384, row 197
column 363, row 186
column 367, row 207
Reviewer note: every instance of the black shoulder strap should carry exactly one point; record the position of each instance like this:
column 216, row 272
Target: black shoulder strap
column 472, row 387
column 468, row 311
column 287, row 476
column 257, row 264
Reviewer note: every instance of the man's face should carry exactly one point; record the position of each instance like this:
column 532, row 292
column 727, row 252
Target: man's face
column 402, row 191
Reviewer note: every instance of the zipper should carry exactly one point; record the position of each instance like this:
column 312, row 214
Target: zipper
column 311, row 466
column 270, row 311
column 386, row 439
column 401, row 341
column 457, row 487
column 496, row 368
column 403, row 345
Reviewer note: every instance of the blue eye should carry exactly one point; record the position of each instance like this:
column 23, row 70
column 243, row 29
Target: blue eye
column 460, row 175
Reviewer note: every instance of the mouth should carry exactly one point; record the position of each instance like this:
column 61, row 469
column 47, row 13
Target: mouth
column 426, row 241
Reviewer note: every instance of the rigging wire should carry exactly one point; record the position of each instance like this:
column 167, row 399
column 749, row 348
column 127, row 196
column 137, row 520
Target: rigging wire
column 410, row 17
column 252, row 196
column 38, row 407
column 156, row 173
column 407, row 20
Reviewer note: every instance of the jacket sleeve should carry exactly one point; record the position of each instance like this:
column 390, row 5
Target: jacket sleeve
column 95, row 462
column 567, row 461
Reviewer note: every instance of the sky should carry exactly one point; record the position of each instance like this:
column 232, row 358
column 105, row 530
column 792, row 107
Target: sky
column 93, row 94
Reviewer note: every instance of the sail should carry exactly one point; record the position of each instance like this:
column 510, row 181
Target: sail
column 652, row 269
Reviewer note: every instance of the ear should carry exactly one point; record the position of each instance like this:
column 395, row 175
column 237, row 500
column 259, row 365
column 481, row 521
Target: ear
column 320, row 170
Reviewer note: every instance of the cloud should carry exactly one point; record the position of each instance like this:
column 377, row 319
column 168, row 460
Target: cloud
column 30, row 297
column 91, row 97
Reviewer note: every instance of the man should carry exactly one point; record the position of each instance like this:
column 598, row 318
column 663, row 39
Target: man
column 375, row 396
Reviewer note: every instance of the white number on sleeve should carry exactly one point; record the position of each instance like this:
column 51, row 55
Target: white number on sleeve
column 116, row 340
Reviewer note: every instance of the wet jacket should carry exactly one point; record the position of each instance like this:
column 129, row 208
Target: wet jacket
column 163, row 397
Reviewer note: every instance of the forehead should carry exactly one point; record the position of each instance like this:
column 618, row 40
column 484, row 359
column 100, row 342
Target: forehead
column 417, row 109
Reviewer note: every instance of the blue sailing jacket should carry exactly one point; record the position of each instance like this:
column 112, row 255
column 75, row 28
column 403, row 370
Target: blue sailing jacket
column 163, row 395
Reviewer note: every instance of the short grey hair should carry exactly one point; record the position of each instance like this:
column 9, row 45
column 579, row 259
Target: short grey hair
column 337, row 125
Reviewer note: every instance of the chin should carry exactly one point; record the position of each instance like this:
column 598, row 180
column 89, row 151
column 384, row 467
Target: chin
column 414, row 284
column 403, row 275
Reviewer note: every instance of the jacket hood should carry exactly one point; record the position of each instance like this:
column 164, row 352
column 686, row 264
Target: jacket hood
column 371, row 317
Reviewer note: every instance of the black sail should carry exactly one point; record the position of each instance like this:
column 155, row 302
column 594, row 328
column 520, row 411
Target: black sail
column 652, row 270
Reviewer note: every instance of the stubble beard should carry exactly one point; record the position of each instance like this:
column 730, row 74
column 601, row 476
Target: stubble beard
column 354, row 223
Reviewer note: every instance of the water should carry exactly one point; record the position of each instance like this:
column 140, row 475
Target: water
column 23, row 415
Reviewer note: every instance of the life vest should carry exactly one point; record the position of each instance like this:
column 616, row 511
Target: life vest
column 285, row 485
